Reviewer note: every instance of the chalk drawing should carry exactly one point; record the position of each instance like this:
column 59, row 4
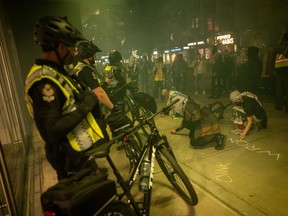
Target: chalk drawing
column 243, row 143
column 222, row 173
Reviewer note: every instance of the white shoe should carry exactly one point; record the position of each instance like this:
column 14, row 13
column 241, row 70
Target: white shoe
column 203, row 92
column 196, row 93
column 236, row 131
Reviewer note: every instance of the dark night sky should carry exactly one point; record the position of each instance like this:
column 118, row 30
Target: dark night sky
column 143, row 25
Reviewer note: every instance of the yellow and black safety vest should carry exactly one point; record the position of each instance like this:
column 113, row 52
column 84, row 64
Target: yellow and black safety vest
column 80, row 65
column 87, row 132
column 159, row 76
column 109, row 73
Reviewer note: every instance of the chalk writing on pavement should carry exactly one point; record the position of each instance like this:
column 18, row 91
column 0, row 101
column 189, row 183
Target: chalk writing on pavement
column 250, row 147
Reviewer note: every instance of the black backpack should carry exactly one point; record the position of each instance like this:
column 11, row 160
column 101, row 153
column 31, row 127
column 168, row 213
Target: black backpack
column 146, row 101
column 82, row 194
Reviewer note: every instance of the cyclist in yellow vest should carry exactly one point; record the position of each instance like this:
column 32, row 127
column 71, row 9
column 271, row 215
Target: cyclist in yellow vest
column 60, row 107
column 280, row 58
column 87, row 75
column 114, row 71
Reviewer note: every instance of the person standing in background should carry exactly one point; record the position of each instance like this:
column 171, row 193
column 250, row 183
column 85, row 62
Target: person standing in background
column 178, row 71
column 144, row 74
column 228, row 68
column 199, row 71
column 159, row 72
column 216, row 62
column 280, row 59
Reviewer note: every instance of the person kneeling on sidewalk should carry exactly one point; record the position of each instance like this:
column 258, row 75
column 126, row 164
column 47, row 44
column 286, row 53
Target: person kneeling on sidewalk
column 203, row 125
column 250, row 112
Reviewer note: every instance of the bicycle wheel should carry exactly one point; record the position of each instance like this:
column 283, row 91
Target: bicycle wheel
column 143, row 113
column 176, row 175
column 132, row 148
column 117, row 208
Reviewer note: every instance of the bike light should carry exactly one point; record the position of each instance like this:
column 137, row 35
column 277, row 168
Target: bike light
column 49, row 213
column 126, row 138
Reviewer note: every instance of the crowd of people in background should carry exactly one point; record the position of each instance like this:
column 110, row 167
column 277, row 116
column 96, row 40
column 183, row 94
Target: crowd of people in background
column 250, row 69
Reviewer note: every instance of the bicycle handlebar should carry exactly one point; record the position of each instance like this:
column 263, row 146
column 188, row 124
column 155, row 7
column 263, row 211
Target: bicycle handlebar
column 222, row 108
column 123, row 86
column 103, row 150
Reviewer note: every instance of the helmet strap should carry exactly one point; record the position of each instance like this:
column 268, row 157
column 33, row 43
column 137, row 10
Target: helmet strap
column 61, row 61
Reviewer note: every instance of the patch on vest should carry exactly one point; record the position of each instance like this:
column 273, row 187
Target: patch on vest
column 48, row 93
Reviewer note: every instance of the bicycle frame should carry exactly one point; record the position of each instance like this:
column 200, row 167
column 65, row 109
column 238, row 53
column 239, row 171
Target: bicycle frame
column 150, row 151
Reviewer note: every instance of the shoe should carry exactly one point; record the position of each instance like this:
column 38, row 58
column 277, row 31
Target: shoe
column 203, row 92
column 236, row 131
column 220, row 139
column 196, row 93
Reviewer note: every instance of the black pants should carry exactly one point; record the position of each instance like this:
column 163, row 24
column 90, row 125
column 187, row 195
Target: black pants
column 57, row 158
column 202, row 141
column 216, row 86
column 281, row 90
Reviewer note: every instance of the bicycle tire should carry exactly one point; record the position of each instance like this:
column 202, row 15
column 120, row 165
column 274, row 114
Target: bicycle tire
column 117, row 208
column 143, row 113
column 132, row 149
column 176, row 175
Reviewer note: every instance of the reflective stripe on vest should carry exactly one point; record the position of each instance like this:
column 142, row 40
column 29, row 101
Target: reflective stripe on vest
column 281, row 61
column 79, row 67
column 159, row 76
column 109, row 73
column 87, row 131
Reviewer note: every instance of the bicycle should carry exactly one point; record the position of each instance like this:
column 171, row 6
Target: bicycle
column 131, row 143
column 129, row 105
column 156, row 147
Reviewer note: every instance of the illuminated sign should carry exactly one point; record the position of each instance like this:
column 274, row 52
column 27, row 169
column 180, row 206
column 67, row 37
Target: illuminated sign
column 176, row 49
column 196, row 43
column 225, row 39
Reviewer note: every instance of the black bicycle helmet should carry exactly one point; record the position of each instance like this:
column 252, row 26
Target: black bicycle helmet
column 114, row 56
column 51, row 30
column 87, row 49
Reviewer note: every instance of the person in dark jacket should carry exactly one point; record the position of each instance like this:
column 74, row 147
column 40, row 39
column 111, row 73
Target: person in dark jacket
column 216, row 63
column 280, row 59
column 249, row 74
column 178, row 71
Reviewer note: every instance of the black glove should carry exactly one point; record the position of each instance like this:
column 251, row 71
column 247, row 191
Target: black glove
column 88, row 102
column 116, row 109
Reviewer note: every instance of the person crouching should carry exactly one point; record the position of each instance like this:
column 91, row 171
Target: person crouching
column 203, row 125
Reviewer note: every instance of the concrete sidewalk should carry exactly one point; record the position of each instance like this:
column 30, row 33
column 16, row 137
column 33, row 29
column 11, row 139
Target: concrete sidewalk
column 246, row 178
